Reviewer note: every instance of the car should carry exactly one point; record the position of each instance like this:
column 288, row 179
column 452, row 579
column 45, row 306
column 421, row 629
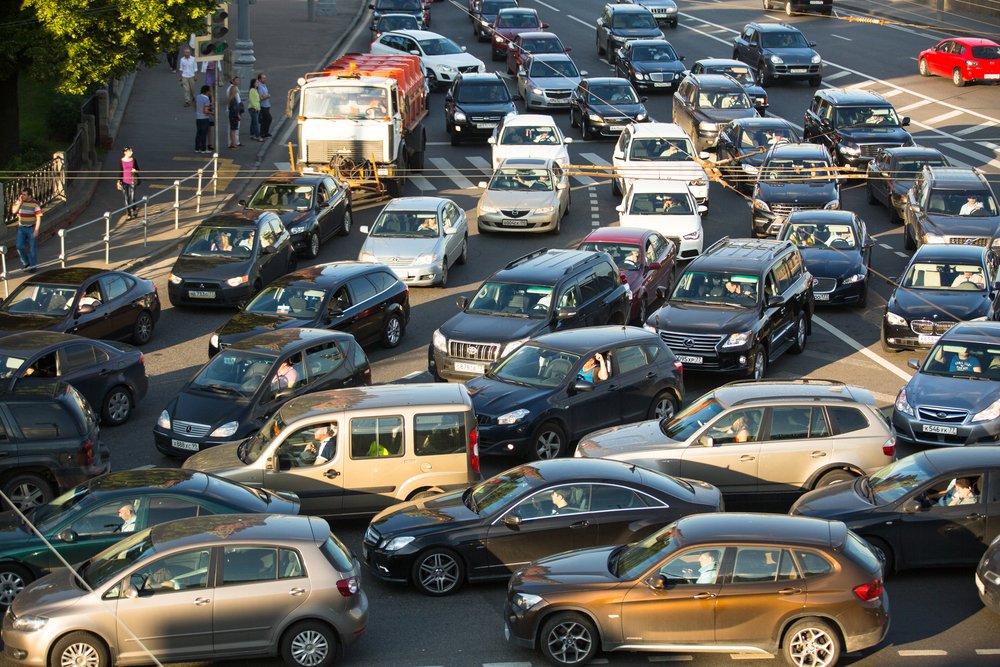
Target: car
column 743, row 143
column 476, row 105
column 650, row 64
column 110, row 375
column 88, row 518
column 545, row 290
column 489, row 530
column 604, row 106
column 547, row 81
column 510, row 22
column 778, row 52
column 667, row 207
column 618, row 24
column 837, row 252
column 528, row 43
column 661, row 151
column 768, row 299
column 704, row 102
column 943, row 284
column 647, row 259
column 893, row 171
column 365, row 300
column 964, row 59
column 232, row 395
column 951, row 205
column 414, row 8
column 419, row 238
column 793, row 177
column 394, row 21
column 160, row 581
column 929, row 509
column 87, row 301
column 524, row 195
column 988, row 577
column 759, row 441
column 52, row 443
column 664, row 11
column 229, row 257
column 442, row 59
column 542, row 397
column 484, row 15
column 649, row 596
column 953, row 398
column 738, row 71
column 313, row 207
column 793, row 7
column 854, row 125
column 530, row 136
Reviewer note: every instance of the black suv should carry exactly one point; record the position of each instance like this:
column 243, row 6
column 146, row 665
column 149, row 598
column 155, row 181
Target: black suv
column 891, row 174
column 951, row 205
column 704, row 102
column 743, row 144
column 476, row 105
column 547, row 290
column 739, row 71
column 793, row 177
column 738, row 307
column 605, row 106
column 621, row 23
column 50, row 443
column 854, row 124
column 778, row 51
column 414, row 7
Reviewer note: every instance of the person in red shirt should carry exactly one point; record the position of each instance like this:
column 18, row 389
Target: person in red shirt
column 29, row 216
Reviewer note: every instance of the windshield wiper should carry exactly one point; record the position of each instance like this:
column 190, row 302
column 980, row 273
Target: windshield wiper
column 220, row 389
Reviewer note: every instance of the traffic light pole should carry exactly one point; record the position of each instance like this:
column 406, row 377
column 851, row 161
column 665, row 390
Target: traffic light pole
column 243, row 57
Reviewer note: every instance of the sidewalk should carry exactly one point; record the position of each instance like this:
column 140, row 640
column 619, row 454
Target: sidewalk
column 160, row 129
column 924, row 14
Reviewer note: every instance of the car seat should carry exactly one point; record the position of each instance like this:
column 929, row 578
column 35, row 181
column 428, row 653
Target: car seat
column 752, row 566
column 557, row 370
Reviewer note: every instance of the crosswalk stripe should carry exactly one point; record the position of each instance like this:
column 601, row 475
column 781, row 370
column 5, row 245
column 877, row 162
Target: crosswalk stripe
column 422, row 183
column 283, row 166
column 973, row 128
column 584, row 180
column 891, row 93
column 596, row 159
column 984, row 159
column 451, row 172
column 481, row 163
column 835, row 75
column 915, row 105
column 943, row 117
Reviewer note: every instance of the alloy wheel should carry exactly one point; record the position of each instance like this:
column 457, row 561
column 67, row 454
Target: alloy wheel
column 143, row 328
column 313, row 244
column 812, row 647
column 569, row 642
column 80, row 655
column 547, row 445
column 310, row 648
column 11, row 583
column 26, row 495
column 438, row 573
column 393, row 331
column 664, row 408
column 119, row 406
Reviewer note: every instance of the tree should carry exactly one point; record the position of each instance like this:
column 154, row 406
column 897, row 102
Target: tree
column 82, row 43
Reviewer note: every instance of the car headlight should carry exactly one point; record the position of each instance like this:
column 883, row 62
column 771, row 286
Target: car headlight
column 708, row 127
column 484, row 22
column 525, row 601
column 777, row 60
column 670, row 10
column 498, row 39
column 31, row 623
column 738, row 339
column 698, row 182
column 238, row 280
column 446, row 68
column 175, row 279
column 365, row 256
column 750, row 169
column 849, row 149
column 297, row 229
column 762, row 205
column 214, row 341
column 640, row 117
column 831, row 205
column 595, row 117
column 989, row 414
column 460, row 117
column 895, row 320
column 642, row 76
column 537, row 91
column 486, row 208
column 542, row 210
column 163, row 421
column 426, row 258
column 439, row 341
column 850, row 280
column 225, row 430
column 902, row 405
column 513, row 417
column 513, row 345
column 935, row 238
column 650, row 328
column 816, row 59
column 397, row 543
column 693, row 236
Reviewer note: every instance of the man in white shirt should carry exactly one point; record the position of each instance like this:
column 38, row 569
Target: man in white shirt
column 127, row 514
column 187, row 70
column 971, row 206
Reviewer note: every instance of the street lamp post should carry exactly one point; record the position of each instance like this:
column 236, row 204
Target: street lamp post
column 243, row 57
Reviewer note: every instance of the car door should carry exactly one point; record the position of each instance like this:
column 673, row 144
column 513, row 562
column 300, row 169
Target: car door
column 659, row 251
column 267, row 260
column 625, row 514
column 797, row 444
column 778, row 318
column 636, row 382
column 121, row 311
column 725, row 462
column 590, row 410
column 88, row 532
column 90, row 369
column 380, row 459
column 326, row 208
column 942, row 61
column 683, row 109
column 623, row 61
column 318, row 481
column 934, row 534
column 452, row 218
column 603, row 26
column 523, row 81
column 365, row 315
column 327, row 368
column 879, row 178
column 95, row 324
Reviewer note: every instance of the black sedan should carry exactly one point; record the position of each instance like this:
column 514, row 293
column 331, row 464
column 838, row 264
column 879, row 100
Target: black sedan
column 988, row 577
column 604, row 106
column 837, row 251
column 892, row 172
column 931, row 509
column 231, row 396
column 650, row 63
column 526, row 513
column 93, row 516
column 739, row 71
column 87, row 301
column 556, row 388
column 743, row 143
column 229, row 258
column 111, row 376
column 943, row 284
column 366, row 300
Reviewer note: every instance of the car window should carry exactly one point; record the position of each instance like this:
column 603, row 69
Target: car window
column 381, row 280
column 108, row 517
column 630, row 358
column 323, row 359
column 756, row 565
column 813, row 564
column 606, row 498
column 697, row 566
column 187, row 570
column 114, row 285
column 80, row 356
column 736, row 427
column 309, row 446
column 168, row 508
column 439, row 433
column 790, row 423
column 267, row 235
column 846, row 420
column 966, row 489
column 44, row 421
column 358, row 356
column 589, row 288
column 361, row 289
column 566, row 499
column 243, row 565
column 376, row 437
column 818, row 427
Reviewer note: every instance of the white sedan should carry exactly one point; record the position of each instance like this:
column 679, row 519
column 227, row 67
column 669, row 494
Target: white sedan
column 667, row 207
column 530, row 136
column 443, row 59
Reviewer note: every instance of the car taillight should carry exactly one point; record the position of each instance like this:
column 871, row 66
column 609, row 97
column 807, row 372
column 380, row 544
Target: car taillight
column 679, row 366
column 86, row 453
column 142, row 359
column 889, row 446
column 869, row 591
column 623, row 277
column 349, row 586
column 474, row 449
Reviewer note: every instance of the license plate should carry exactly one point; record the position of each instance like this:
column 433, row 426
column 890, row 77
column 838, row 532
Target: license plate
column 815, row 2
column 514, row 223
column 687, row 359
column 980, row 585
column 188, row 446
column 486, row 126
column 821, row 297
column 944, row 430
column 992, row 76
column 927, row 339
column 470, row 368
column 661, row 84
column 799, row 70
column 616, row 128
column 201, row 294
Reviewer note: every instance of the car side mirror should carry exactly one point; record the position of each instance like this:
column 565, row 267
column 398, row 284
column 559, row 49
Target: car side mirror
column 491, row 141
column 643, row 99
column 812, row 45
column 271, row 463
column 583, row 386
column 517, row 97
column 905, row 121
column 283, row 394
column 704, row 155
column 775, row 301
column 565, row 313
column 654, row 266
column 335, row 312
column 620, row 208
column 414, row 52
column 618, row 155
column 450, row 231
column 682, row 58
column 243, row 202
column 481, row 185
column 131, row 592
column 655, row 582
column 512, row 521
column 706, row 441
column 562, row 185
column 568, row 49
column 913, row 363
column 85, row 309
column 568, row 140
column 702, row 209
column 911, row 506
column 363, row 229
column 584, row 73
column 68, row 535
column 661, row 292
column 464, row 49
column 462, row 302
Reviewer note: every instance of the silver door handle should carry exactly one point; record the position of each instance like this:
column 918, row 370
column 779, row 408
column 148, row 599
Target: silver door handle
column 747, row 457
column 703, row 596
column 817, row 455
column 201, row 602
column 296, row 591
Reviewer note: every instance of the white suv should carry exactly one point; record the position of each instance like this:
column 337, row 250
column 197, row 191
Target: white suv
column 667, row 207
column 658, row 151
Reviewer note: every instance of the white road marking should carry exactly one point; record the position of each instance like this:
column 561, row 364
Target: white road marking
column 861, row 348
column 422, row 183
column 581, row 21
column 988, row 651
column 596, row 159
column 974, row 128
column 942, row 117
column 991, row 161
column 915, row 105
column 901, row 254
column 481, row 163
column 448, row 170
column 860, row 84
column 886, row 246
column 914, row 653
column 846, row 39
column 438, row 143
column 283, row 166
column 889, row 93
column 545, row 4
column 835, row 75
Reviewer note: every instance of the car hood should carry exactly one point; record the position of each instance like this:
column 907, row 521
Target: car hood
column 408, row 248
column 455, row 59
column 638, row 33
column 831, row 263
column 555, row 82
column 625, row 438
column 15, row 323
column 793, row 56
column 50, row 593
column 209, row 268
column 570, row 569
column 428, row 514
column 520, row 199
column 495, row 397
column 975, row 396
column 487, row 108
column 217, row 460
column 755, row 91
column 667, row 225
column 784, row 192
column 292, row 218
column 836, row 501
column 511, row 33
column 198, row 407
column 960, row 225
column 956, row 305
column 618, row 110
column 474, row 327
column 704, row 319
column 728, row 115
column 664, row 171
column 532, row 151
column 881, row 135
column 244, row 324
column 675, row 66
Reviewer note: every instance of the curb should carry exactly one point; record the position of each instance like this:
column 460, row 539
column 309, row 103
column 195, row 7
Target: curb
column 890, row 12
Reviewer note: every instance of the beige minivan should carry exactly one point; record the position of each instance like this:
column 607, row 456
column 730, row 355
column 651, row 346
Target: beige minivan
column 358, row 450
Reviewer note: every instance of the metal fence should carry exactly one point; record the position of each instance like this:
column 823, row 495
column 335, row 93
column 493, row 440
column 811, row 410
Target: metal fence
column 47, row 183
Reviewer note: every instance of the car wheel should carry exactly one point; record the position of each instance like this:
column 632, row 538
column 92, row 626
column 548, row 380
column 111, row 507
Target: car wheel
column 117, row 406
column 664, row 406
column 312, row 246
column 348, row 223
column 497, row 55
column 815, row 81
column 759, row 368
column 443, row 282
column 765, row 76
column 310, row 644
column 834, row 477
column 600, row 51
column 464, row 257
column 438, row 572
column 894, row 216
column 392, row 331
column 13, row 578
column 455, row 138
column 883, row 551
column 922, row 67
column 811, row 643
column 863, row 301
column 909, row 242
column 142, row 330
column 572, row 119
column 80, row 648
column 801, row 335
column 420, row 495
column 27, row 490
column 584, row 130
column 548, row 442
column 788, row 9
column 568, row 638
column 673, row 25
column 956, row 78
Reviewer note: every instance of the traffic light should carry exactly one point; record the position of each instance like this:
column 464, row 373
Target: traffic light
column 213, row 41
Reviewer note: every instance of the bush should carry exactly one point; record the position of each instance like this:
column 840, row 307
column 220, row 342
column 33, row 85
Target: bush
column 62, row 117
column 31, row 156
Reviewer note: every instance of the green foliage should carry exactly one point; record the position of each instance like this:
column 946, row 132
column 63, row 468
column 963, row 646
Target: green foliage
column 32, row 155
column 63, row 116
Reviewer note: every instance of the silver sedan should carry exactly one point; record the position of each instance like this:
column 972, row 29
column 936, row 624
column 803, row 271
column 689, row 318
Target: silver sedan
column 547, row 81
column 524, row 195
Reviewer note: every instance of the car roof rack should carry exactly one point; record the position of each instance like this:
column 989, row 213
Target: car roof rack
column 530, row 256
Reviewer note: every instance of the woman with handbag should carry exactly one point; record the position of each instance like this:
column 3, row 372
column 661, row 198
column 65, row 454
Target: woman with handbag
column 128, row 179
column 235, row 109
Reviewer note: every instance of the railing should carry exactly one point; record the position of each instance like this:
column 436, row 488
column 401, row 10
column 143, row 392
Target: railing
column 47, row 183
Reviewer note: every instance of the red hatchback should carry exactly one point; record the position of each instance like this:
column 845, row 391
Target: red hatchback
column 510, row 23
column 963, row 59
column 646, row 259
column 527, row 43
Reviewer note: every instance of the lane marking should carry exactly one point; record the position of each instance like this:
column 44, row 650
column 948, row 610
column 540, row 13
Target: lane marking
column 581, row 21
column 545, row 4
column 989, row 160
column 584, row 180
column 913, row 653
column 422, row 183
column 901, row 254
column 596, row 159
column 861, row 348
column 886, row 246
column 860, row 84
column 974, row 128
column 451, row 172
column 988, row 651
column 942, row 117
column 836, row 75
column 438, row 143
column 481, row 163
column 915, row 105
column 283, row 166
column 846, row 39
column 891, row 93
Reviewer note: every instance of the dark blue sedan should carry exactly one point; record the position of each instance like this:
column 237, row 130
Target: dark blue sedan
column 837, row 251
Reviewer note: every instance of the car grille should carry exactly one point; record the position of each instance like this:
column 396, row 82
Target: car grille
column 785, row 210
column 459, row 349
column 484, row 420
column 190, row 429
column 198, row 285
column 688, row 343
column 658, row 11
column 824, row 284
column 871, row 150
column 398, row 262
column 515, row 212
column 468, row 68
column 617, row 119
column 558, row 94
column 372, row 537
column 490, row 118
column 785, row 69
column 931, row 328
column 326, row 150
column 661, row 76
column 934, row 413
column 969, row 240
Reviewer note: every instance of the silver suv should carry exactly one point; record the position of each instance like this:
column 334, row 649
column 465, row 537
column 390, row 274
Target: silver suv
column 778, row 438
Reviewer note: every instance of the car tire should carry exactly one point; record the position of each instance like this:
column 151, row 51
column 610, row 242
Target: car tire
column 438, row 572
column 600, row 51
column 922, row 67
column 455, row 138
column 664, row 406
column 759, row 369
column 443, row 282
column 142, row 330
column 464, row 257
column 673, row 25
column 496, row 55
column 27, row 490
column 881, row 547
column 584, row 130
column 765, row 76
column 116, row 409
column 548, row 442
column 345, row 227
column 310, row 644
column 392, row 331
column 813, row 642
column 80, row 648
column 801, row 335
column 956, row 77
column 13, row 578
column 568, row 638
column 894, row 217
column 572, row 119
column 832, row 477
column 909, row 243
column 312, row 246
column 421, row 495
column 816, row 81
column 863, row 301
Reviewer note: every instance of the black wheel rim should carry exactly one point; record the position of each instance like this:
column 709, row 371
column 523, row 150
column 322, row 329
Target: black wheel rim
column 438, row 573
column 144, row 327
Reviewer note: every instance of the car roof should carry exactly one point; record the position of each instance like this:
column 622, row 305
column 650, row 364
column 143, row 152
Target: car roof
column 948, row 252
column 527, row 163
column 974, row 332
column 739, row 527
column 529, row 120
column 244, row 218
column 588, row 339
column 547, row 266
column 415, row 204
column 607, row 81
column 299, row 178
column 619, row 234
column 743, row 391
column 655, row 185
column 960, row 176
column 648, row 41
column 480, row 76
column 72, row 276
column 719, row 62
column 152, row 480
column 773, row 27
column 418, row 34
column 716, row 81
column 519, row 10
column 37, row 340
column 589, row 469
column 226, row 528
column 627, row 8
column 538, row 34
column 787, row 149
column 973, row 41
column 741, row 255
column 912, row 151
column 551, row 58
column 664, row 130
column 757, row 122
column 951, row 459
column 327, row 275
column 373, row 397
column 283, row 341
column 852, row 97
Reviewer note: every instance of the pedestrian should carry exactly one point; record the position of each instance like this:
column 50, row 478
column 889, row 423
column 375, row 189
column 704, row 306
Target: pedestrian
column 128, row 179
column 253, row 106
column 208, row 68
column 265, row 106
column 187, row 72
column 29, row 217
column 235, row 109
column 202, row 119
column 172, row 58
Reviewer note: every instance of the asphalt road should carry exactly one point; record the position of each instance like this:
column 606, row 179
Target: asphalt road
column 937, row 618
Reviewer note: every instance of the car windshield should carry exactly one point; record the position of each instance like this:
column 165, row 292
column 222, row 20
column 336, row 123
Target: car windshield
column 897, row 479
column 741, row 73
column 944, row 276
column 973, row 203
column 544, row 135
column 40, row 299
column 783, row 40
column 797, row 170
column 633, row 20
column 405, row 22
column 47, row 516
column 717, row 287
column 482, row 93
column 867, row 117
column 636, row 559
column 512, row 300
column 978, row 361
column 986, row 52
column 233, row 372
column 655, row 203
column 344, row 102
column 534, row 366
column 282, row 198
column 252, row 449
column 517, row 20
column 543, row 45
column 612, row 94
column 406, row 224
column 767, row 137
column 910, row 169
column 106, row 565
column 655, row 149
column 627, row 256
column 659, row 54
column 439, row 46
column 723, row 100
column 497, row 492
column 414, row 5
column 541, row 69
column 521, row 180
column 493, row 7
column 822, row 235
column 209, row 241
column 690, row 419
column 288, row 301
